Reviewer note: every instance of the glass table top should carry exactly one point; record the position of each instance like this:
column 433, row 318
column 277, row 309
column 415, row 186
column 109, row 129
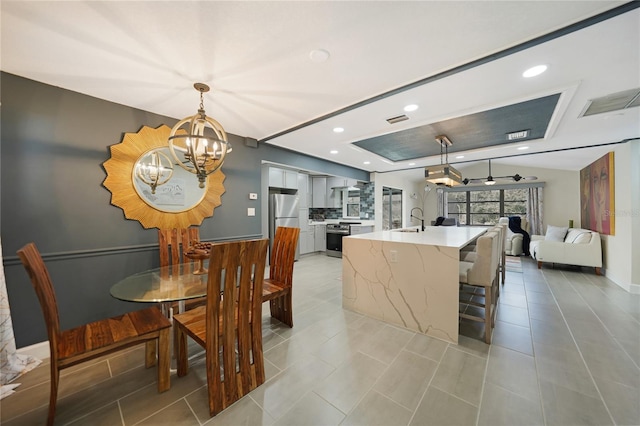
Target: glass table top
column 165, row 284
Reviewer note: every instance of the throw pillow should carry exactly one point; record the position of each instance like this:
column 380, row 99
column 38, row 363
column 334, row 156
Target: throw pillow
column 572, row 234
column 584, row 238
column 555, row 233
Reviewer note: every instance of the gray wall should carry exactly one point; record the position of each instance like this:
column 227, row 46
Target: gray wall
column 53, row 144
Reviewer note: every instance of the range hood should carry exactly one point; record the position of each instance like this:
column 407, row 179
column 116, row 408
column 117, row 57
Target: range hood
column 359, row 185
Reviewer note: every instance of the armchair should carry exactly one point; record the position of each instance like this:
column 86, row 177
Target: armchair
column 513, row 241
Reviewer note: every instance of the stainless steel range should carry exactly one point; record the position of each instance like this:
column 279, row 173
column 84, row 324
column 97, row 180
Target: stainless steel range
column 335, row 232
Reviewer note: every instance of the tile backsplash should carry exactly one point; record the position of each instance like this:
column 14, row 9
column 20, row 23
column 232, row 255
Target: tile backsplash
column 367, row 201
column 327, row 213
column 367, row 206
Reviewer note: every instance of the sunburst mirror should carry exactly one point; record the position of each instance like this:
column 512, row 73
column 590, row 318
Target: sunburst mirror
column 146, row 186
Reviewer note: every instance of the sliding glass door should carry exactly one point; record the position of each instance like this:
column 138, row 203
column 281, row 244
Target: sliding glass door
column 391, row 208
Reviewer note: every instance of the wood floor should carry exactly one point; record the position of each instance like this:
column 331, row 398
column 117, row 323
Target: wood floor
column 566, row 351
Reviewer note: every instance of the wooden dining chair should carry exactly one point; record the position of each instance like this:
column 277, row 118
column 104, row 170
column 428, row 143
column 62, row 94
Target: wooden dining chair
column 277, row 288
column 230, row 325
column 89, row 341
column 172, row 244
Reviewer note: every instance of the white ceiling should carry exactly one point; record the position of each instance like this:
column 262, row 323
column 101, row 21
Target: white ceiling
column 255, row 56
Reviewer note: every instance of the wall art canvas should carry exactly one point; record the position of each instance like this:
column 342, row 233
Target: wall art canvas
column 597, row 193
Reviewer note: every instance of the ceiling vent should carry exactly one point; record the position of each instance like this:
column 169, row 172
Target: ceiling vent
column 521, row 134
column 394, row 120
column 613, row 102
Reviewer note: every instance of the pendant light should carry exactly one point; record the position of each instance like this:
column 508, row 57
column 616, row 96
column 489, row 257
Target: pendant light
column 444, row 173
column 154, row 169
column 199, row 143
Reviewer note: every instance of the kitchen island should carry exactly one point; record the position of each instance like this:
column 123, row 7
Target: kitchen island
column 407, row 278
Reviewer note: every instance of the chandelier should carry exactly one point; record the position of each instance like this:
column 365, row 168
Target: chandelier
column 157, row 171
column 443, row 174
column 199, row 143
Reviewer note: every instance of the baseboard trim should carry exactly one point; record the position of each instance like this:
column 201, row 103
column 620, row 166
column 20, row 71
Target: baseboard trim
column 38, row 350
column 628, row 287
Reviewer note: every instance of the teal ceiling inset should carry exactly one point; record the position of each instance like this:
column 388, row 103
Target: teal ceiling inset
column 474, row 131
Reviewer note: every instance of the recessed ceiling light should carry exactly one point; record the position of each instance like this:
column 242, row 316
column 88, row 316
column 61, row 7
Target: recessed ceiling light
column 411, row 107
column 319, row 55
column 412, row 164
column 534, row 71
column 338, row 129
column 522, row 148
column 333, row 151
column 459, row 156
column 367, row 162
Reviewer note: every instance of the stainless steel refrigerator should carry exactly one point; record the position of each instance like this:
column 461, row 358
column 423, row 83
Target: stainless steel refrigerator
column 283, row 211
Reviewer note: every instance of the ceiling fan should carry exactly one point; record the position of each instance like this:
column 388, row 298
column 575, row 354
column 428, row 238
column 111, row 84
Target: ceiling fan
column 491, row 180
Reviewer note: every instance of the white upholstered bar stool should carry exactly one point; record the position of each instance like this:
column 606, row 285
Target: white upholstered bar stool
column 470, row 254
column 481, row 274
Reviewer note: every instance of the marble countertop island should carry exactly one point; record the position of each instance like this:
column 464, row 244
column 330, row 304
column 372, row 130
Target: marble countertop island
column 409, row 279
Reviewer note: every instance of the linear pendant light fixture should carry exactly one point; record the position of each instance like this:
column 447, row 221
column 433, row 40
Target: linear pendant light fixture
column 201, row 147
column 444, row 173
column 491, row 180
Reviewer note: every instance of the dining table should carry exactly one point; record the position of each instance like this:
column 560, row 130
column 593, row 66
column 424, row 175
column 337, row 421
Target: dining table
column 165, row 285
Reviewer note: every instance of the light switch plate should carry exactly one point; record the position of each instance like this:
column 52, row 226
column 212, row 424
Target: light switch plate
column 251, row 211
column 253, row 196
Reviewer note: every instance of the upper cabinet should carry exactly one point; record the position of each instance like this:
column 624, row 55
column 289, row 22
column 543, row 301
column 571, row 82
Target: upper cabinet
column 331, row 192
column 319, row 192
column 282, row 178
column 304, row 195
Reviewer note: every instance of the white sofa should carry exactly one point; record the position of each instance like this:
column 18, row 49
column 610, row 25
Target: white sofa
column 570, row 246
column 513, row 241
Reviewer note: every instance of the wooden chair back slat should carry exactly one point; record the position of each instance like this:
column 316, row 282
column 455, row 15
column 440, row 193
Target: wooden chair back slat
column 277, row 289
column 174, row 242
column 283, row 252
column 233, row 322
column 241, row 265
column 41, row 281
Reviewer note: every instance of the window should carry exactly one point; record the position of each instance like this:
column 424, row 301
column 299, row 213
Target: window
column 486, row 207
column 352, row 203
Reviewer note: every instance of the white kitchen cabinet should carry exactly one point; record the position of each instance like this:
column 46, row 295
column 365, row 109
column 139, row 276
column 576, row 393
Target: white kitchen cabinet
column 303, row 218
column 303, row 242
column 309, row 192
column 303, row 189
column 325, row 192
column 305, row 230
column 319, row 192
column 320, row 243
column 360, row 229
column 282, row 178
column 308, row 244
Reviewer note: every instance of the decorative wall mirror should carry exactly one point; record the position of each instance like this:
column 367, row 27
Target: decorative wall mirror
column 145, row 184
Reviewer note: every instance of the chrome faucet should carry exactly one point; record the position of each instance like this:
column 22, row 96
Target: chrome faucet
column 421, row 218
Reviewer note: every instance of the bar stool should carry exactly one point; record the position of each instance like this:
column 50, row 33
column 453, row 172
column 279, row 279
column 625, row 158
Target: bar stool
column 481, row 273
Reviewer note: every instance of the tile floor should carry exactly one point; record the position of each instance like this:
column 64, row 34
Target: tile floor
column 566, row 351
